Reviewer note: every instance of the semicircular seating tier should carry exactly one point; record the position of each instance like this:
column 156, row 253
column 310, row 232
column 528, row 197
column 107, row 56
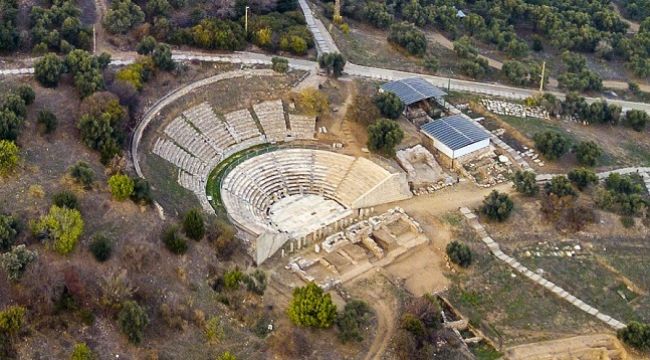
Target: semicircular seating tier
column 198, row 139
column 252, row 189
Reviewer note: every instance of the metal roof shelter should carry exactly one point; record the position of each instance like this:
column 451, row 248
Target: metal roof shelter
column 413, row 90
column 455, row 132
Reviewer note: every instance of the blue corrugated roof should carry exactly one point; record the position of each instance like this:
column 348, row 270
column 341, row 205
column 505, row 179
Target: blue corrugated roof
column 455, row 131
column 412, row 90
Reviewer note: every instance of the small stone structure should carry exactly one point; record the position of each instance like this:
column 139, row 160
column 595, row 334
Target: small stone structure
column 421, row 167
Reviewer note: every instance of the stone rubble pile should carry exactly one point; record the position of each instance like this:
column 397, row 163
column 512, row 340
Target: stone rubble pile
column 511, row 109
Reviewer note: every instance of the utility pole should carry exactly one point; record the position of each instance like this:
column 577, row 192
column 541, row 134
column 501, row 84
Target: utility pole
column 541, row 81
column 337, row 9
column 246, row 20
column 94, row 40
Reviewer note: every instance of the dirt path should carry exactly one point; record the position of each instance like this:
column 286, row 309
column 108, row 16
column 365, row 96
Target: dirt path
column 634, row 26
column 592, row 347
column 385, row 330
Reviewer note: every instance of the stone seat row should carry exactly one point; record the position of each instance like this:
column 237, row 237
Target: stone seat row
column 179, row 157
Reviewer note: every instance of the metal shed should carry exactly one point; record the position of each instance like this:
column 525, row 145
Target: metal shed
column 413, row 90
column 456, row 135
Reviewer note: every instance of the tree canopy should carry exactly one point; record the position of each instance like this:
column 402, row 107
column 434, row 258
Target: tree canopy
column 311, row 307
column 384, row 135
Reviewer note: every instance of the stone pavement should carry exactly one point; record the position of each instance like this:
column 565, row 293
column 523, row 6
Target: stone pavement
column 518, row 267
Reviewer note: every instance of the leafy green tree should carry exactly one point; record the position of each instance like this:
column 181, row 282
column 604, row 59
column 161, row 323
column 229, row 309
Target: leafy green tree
column 10, row 124
column 497, row 206
column 476, row 68
column 551, row 144
column 47, row 120
column 146, row 45
column 61, row 226
column 193, row 225
column 8, row 232
column 459, row 253
column 14, row 103
column 390, row 105
column 377, row 14
column 141, row 191
column 158, row 8
column 559, row 186
column 279, row 64
column 162, row 57
column 83, row 174
column 48, row 70
column 525, row 182
column 352, row 319
column 15, row 261
column 26, row 93
column 9, row 157
column 121, row 186
column 312, row 307
column 173, row 241
column 464, row 48
column 582, row 178
column 333, row 63
column 587, row 153
column 636, row 334
column 122, row 16
column 86, row 70
column 101, row 247
column 384, row 135
column 219, row 35
column 133, row 320
column 409, row 37
column 81, row 351
column 66, row 199
column 636, row 119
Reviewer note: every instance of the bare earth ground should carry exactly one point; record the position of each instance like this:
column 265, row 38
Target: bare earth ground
column 599, row 344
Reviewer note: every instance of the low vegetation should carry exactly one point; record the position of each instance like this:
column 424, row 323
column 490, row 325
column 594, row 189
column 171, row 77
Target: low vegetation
column 311, row 307
column 497, row 206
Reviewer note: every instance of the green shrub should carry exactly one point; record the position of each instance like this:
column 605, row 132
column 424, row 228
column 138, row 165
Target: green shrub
column 459, row 253
column 61, row 226
column 279, row 64
column 525, row 183
column 560, row 186
column 66, row 199
column 352, row 319
column 101, row 247
column 627, row 222
column 497, row 206
column 582, row 178
column 81, row 351
column 226, row 356
column 26, row 93
column 8, row 232
column 133, row 319
column 12, row 319
column 636, row 334
column 83, row 174
column 409, row 37
column 213, row 329
column 174, row 241
column 232, row 279
column 312, row 307
column 9, row 157
column 121, row 186
column 193, row 225
column 15, row 261
column 48, row 70
column 255, row 282
column 47, row 121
